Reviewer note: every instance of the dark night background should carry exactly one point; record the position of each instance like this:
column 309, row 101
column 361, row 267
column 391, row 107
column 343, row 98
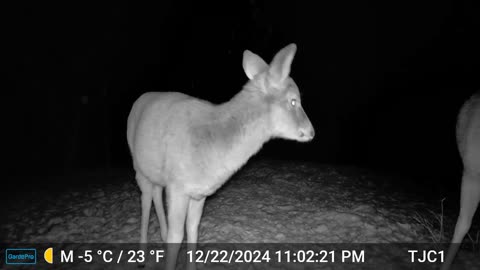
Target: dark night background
column 381, row 82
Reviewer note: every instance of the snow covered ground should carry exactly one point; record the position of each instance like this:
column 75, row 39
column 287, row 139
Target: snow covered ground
column 265, row 202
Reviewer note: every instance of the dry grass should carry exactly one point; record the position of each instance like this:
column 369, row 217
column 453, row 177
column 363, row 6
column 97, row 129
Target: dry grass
column 433, row 224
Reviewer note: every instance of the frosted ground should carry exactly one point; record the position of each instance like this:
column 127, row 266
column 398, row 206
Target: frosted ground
column 265, row 202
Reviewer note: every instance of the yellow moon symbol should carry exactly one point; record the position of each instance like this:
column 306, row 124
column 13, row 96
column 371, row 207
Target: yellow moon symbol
column 48, row 255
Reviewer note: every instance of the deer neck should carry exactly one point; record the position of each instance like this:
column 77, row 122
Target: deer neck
column 244, row 125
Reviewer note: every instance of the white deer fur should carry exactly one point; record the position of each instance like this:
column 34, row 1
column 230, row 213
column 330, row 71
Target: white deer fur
column 468, row 142
column 191, row 147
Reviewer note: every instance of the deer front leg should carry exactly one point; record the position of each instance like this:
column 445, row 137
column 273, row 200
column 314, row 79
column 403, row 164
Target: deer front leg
column 177, row 203
column 194, row 214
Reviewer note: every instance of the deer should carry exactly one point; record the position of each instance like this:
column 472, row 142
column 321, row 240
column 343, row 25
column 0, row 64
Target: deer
column 190, row 147
column 468, row 143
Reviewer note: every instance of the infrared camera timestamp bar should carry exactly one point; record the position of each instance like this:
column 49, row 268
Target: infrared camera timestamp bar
column 110, row 256
column 279, row 256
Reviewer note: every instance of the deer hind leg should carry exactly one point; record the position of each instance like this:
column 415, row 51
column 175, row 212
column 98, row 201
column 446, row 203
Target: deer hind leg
column 469, row 198
column 147, row 189
column 158, row 201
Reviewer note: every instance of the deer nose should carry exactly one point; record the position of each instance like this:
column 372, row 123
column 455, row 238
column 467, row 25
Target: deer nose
column 307, row 134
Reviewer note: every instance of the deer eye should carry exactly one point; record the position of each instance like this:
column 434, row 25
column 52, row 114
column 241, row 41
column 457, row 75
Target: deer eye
column 293, row 102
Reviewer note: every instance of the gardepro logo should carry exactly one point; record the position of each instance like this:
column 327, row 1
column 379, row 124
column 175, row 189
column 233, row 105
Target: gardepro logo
column 20, row 256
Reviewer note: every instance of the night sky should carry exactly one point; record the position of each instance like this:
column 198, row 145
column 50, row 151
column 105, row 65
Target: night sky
column 382, row 83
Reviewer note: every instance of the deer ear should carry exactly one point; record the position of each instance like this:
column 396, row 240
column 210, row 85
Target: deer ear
column 280, row 66
column 253, row 64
